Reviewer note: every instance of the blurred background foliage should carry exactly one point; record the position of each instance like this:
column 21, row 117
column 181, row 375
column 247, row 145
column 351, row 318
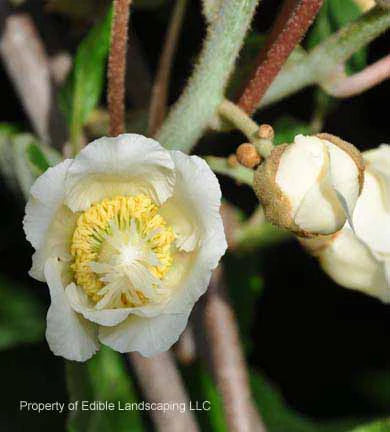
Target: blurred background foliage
column 319, row 355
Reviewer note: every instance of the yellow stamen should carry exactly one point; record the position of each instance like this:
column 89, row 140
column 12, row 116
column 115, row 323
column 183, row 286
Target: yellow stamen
column 94, row 228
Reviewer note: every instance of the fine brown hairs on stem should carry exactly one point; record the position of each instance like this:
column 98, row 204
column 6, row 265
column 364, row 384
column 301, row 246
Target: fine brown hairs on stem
column 288, row 30
column 117, row 66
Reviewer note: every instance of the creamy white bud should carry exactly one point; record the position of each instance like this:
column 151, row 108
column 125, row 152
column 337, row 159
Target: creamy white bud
column 359, row 258
column 310, row 186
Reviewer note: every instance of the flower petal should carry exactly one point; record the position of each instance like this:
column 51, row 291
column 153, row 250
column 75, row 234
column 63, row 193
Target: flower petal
column 351, row 264
column 194, row 208
column 194, row 213
column 124, row 165
column 148, row 336
column 68, row 334
column 81, row 304
column 47, row 195
column 48, row 224
column 371, row 217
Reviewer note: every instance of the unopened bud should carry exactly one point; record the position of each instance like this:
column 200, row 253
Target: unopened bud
column 359, row 258
column 248, row 156
column 266, row 132
column 311, row 186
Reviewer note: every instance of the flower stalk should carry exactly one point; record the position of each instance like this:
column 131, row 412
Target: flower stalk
column 117, row 66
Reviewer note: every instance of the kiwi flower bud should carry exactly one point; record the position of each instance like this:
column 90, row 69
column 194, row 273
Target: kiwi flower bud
column 247, row 155
column 311, row 186
column 359, row 258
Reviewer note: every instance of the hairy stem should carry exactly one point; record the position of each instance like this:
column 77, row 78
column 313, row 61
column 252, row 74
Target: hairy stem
column 238, row 118
column 117, row 66
column 294, row 19
column 361, row 81
column 324, row 59
column 160, row 88
column 198, row 103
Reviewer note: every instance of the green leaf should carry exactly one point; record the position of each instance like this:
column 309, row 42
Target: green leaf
column 334, row 15
column 22, row 318
column 103, row 378
column 287, row 127
column 83, row 89
column 37, row 158
column 202, row 388
column 23, row 158
column 379, row 426
column 278, row 417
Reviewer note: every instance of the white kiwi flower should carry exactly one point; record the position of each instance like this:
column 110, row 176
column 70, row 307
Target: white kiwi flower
column 358, row 257
column 126, row 236
column 311, row 186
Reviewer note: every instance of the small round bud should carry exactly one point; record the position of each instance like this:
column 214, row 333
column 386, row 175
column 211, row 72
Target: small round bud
column 311, row 186
column 247, row 155
column 232, row 161
column 266, row 132
column 385, row 4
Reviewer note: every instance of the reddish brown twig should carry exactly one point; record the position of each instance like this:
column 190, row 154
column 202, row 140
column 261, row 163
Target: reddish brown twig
column 158, row 102
column 228, row 360
column 161, row 382
column 117, row 66
column 361, row 81
column 288, row 30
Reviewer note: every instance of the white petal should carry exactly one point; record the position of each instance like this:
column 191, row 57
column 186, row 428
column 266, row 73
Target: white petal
column 351, row 264
column 68, row 333
column 371, row 217
column 344, row 175
column 124, row 165
column 148, row 336
column 47, row 195
column 299, row 168
column 320, row 210
column 57, row 242
column 81, row 304
column 194, row 208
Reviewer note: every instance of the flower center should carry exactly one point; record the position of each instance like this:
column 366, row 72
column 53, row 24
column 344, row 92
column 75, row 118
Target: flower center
column 122, row 249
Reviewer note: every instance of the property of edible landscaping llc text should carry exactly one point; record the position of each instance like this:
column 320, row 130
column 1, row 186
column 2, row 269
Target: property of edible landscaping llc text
column 85, row 405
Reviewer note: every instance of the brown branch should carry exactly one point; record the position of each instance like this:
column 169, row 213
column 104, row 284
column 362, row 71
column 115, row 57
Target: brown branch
column 288, row 30
column 158, row 102
column 25, row 60
column 161, row 383
column 117, row 66
column 361, row 81
column 185, row 348
column 228, row 360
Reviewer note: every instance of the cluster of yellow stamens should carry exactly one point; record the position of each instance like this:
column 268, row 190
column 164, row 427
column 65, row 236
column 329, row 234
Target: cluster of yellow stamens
column 127, row 215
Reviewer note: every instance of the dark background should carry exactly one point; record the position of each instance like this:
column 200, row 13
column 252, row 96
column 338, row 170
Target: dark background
column 325, row 347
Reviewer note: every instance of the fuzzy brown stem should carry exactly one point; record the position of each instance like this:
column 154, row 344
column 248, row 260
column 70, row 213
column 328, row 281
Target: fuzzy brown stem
column 158, row 103
column 361, row 81
column 117, row 66
column 228, row 360
column 292, row 23
column 160, row 381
